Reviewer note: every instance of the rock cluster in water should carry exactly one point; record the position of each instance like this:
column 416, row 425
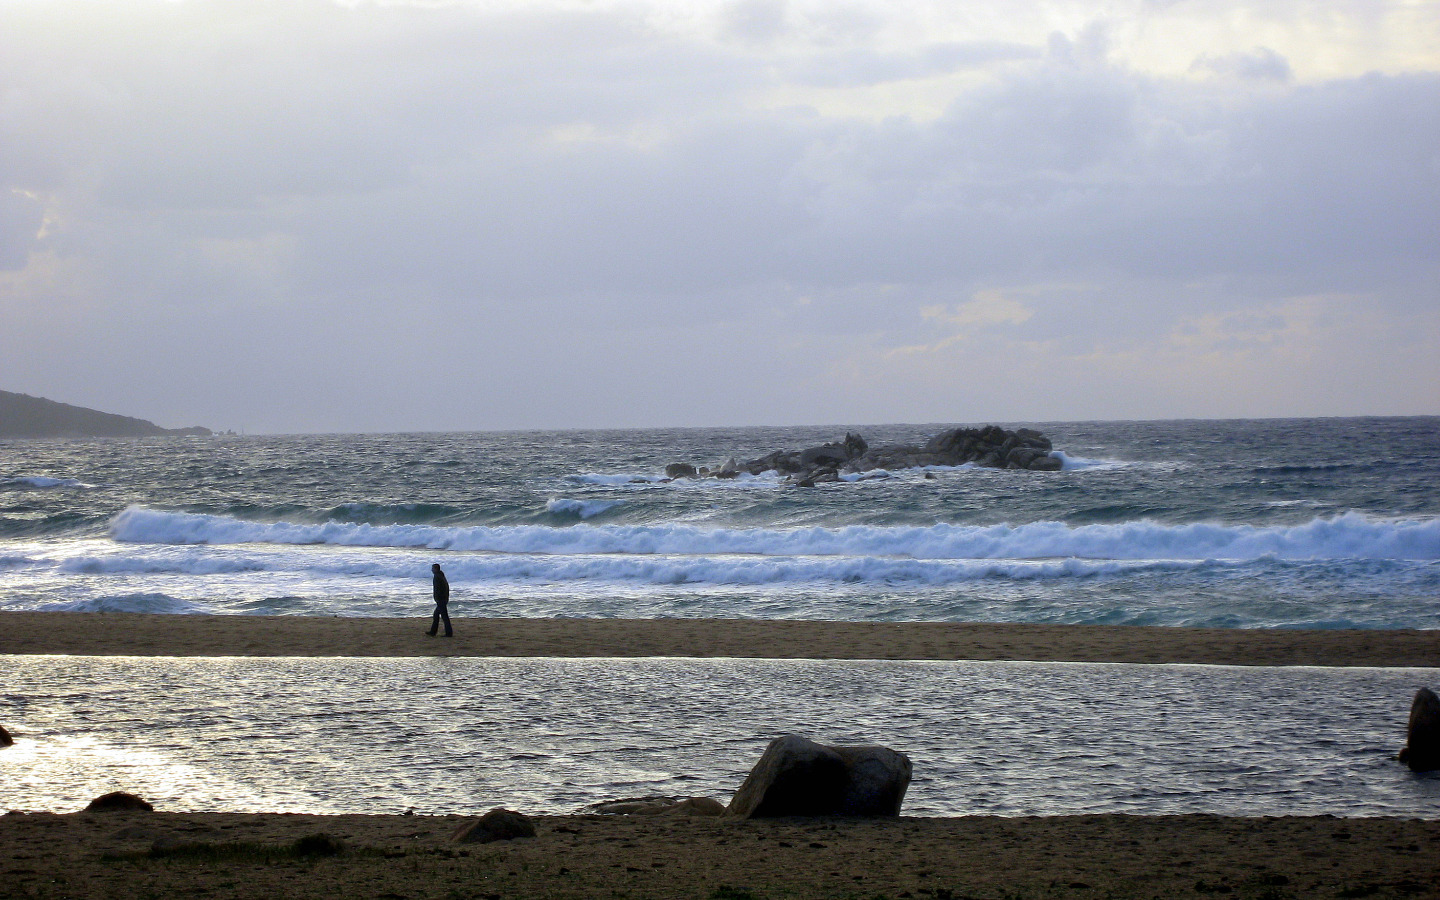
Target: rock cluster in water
column 990, row 446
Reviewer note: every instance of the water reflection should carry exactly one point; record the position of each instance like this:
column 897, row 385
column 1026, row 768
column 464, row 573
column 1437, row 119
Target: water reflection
column 551, row 735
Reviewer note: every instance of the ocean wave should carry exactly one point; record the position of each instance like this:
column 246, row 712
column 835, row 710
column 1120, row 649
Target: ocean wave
column 1070, row 463
column 392, row 512
column 602, row 480
column 350, row 564
column 62, row 523
column 1303, row 469
column 131, row 603
column 629, row 480
column 188, row 564
column 46, row 482
column 584, row 509
column 771, row 570
column 1347, row 536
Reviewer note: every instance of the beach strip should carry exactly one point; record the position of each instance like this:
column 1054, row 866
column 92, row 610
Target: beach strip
column 237, row 855
column 137, row 634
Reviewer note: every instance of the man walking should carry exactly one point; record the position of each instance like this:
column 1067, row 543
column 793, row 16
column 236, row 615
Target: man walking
column 442, row 603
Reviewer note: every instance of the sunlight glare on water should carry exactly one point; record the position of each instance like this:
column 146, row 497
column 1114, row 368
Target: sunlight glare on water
column 553, row 735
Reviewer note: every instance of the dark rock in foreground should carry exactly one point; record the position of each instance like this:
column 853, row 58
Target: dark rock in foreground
column 119, row 801
column 1422, row 745
column 5, row 739
column 798, row 777
column 990, row 446
column 496, row 825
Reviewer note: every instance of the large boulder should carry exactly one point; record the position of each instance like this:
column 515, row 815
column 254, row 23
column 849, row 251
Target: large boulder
column 827, row 455
column 1422, row 737
column 1046, row 463
column 1029, row 437
column 680, row 470
column 119, row 801
column 496, row 825
column 799, row 777
column 1020, row 457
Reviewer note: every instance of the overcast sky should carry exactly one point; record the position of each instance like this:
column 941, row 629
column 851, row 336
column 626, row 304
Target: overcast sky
column 319, row 216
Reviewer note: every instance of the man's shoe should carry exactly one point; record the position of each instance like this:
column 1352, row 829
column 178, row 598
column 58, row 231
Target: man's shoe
column 431, row 633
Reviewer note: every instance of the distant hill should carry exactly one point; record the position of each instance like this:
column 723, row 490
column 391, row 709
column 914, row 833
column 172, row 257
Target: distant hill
column 23, row 416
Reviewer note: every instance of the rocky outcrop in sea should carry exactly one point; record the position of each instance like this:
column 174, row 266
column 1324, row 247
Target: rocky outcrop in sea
column 991, row 446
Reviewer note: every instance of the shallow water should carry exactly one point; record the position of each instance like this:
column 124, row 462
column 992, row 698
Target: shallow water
column 552, row 735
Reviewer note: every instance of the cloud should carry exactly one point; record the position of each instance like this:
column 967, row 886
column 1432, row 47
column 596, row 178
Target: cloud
column 1260, row 64
column 21, row 219
column 985, row 309
column 757, row 21
column 518, row 215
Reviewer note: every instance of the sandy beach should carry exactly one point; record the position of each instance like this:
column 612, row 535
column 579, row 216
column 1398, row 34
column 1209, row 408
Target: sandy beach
column 132, row 634
column 166, row 853
column 124, row 855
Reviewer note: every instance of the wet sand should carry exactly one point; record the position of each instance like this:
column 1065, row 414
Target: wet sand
column 133, row 634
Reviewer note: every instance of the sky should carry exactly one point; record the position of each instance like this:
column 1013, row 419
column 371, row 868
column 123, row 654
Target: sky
column 317, row 216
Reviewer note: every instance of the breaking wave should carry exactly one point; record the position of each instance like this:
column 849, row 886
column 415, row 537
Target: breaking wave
column 584, row 509
column 1348, row 536
column 663, row 569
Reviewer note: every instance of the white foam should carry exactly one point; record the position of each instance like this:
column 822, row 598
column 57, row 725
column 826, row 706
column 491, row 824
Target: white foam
column 1070, row 463
column 872, row 475
column 264, row 569
column 1348, row 536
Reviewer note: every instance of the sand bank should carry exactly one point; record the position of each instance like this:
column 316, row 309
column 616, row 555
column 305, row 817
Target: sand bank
column 93, row 855
column 119, row 634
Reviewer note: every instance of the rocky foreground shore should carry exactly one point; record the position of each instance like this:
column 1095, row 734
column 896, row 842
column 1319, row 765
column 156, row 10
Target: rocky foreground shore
column 991, row 446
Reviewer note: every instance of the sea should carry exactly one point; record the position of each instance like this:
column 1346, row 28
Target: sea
column 1264, row 524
